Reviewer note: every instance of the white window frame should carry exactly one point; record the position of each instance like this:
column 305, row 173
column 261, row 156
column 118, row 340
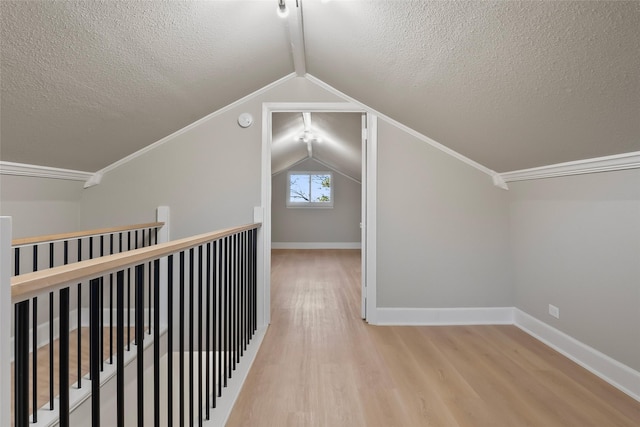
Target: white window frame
column 322, row 205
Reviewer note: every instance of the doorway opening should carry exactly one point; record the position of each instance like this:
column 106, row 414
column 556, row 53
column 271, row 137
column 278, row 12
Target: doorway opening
column 318, row 185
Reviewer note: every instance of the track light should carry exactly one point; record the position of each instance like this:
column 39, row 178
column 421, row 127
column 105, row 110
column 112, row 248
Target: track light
column 283, row 10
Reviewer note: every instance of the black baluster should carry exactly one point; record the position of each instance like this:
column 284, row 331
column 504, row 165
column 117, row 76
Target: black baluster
column 254, row 278
column 128, row 296
column 101, row 313
column 120, row 346
column 63, row 354
column 156, row 343
column 94, row 349
column 214, row 289
column 170, row 339
column 234, row 314
column 208, row 332
column 111, row 304
column 139, row 340
column 51, row 346
column 21, row 366
column 182, row 272
column 200, row 313
column 227, row 311
column 229, row 278
column 16, row 261
column 34, row 345
column 191, row 343
column 79, row 317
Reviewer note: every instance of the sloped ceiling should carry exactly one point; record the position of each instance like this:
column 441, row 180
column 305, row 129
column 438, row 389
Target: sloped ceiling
column 511, row 85
column 86, row 83
column 337, row 141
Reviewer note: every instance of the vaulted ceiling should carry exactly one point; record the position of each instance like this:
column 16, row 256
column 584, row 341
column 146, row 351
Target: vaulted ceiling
column 511, row 85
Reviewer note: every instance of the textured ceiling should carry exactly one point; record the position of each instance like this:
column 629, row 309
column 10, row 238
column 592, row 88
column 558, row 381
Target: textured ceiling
column 338, row 144
column 86, row 83
column 508, row 84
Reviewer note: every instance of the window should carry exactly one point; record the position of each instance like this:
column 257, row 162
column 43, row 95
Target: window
column 310, row 189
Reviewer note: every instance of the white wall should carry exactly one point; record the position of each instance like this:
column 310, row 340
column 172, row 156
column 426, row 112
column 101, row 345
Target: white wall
column 576, row 244
column 338, row 224
column 442, row 225
column 40, row 205
column 209, row 176
column 442, row 229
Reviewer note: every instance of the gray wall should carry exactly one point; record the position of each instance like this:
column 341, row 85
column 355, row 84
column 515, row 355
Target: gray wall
column 442, row 229
column 40, row 205
column 209, row 176
column 339, row 224
column 576, row 244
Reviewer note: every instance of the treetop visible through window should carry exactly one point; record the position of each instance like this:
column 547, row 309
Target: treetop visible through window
column 309, row 189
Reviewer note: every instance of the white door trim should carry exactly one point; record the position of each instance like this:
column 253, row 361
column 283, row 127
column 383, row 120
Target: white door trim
column 264, row 240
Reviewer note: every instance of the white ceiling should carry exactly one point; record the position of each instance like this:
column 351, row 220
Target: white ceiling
column 510, row 85
column 86, row 83
column 337, row 143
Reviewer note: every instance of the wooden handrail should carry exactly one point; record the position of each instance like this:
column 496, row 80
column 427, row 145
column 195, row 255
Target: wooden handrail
column 86, row 233
column 77, row 234
column 58, row 277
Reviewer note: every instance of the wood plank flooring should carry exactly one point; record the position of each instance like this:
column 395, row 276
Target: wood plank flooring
column 321, row 365
column 43, row 366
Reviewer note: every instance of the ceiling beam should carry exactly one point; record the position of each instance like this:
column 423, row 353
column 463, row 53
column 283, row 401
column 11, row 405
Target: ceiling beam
column 296, row 37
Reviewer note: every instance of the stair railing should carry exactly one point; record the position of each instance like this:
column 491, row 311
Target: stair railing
column 196, row 295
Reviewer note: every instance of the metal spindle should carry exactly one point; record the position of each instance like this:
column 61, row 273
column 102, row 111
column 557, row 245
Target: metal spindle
column 229, row 286
column 181, row 402
column 101, row 313
column 156, row 346
column 243, row 283
column 34, row 345
column 94, row 349
column 139, row 340
column 128, row 296
column 170, row 339
column 120, row 347
column 111, row 305
column 16, row 262
column 200, row 313
column 21, row 343
column 214, row 285
column 51, row 346
column 79, row 317
column 234, row 314
column 220, row 318
column 208, row 332
column 191, row 314
column 63, row 354
column 254, row 279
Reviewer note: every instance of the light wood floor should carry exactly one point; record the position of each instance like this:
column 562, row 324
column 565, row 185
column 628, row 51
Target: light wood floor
column 43, row 366
column 321, row 365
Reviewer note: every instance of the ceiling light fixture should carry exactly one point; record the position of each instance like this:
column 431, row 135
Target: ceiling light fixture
column 283, row 10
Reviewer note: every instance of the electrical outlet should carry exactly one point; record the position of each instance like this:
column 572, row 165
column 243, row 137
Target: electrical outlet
column 554, row 311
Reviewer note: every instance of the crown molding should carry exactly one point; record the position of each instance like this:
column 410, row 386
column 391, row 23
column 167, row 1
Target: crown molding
column 578, row 167
column 23, row 169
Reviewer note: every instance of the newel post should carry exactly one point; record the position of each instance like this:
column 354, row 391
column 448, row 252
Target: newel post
column 5, row 321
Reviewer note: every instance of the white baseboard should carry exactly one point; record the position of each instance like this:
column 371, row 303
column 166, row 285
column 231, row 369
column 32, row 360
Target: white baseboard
column 227, row 401
column 610, row 370
column 316, row 245
column 445, row 316
column 615, row 373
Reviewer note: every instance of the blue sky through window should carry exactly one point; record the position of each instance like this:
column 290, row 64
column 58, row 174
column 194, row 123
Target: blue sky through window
column 309, row 187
